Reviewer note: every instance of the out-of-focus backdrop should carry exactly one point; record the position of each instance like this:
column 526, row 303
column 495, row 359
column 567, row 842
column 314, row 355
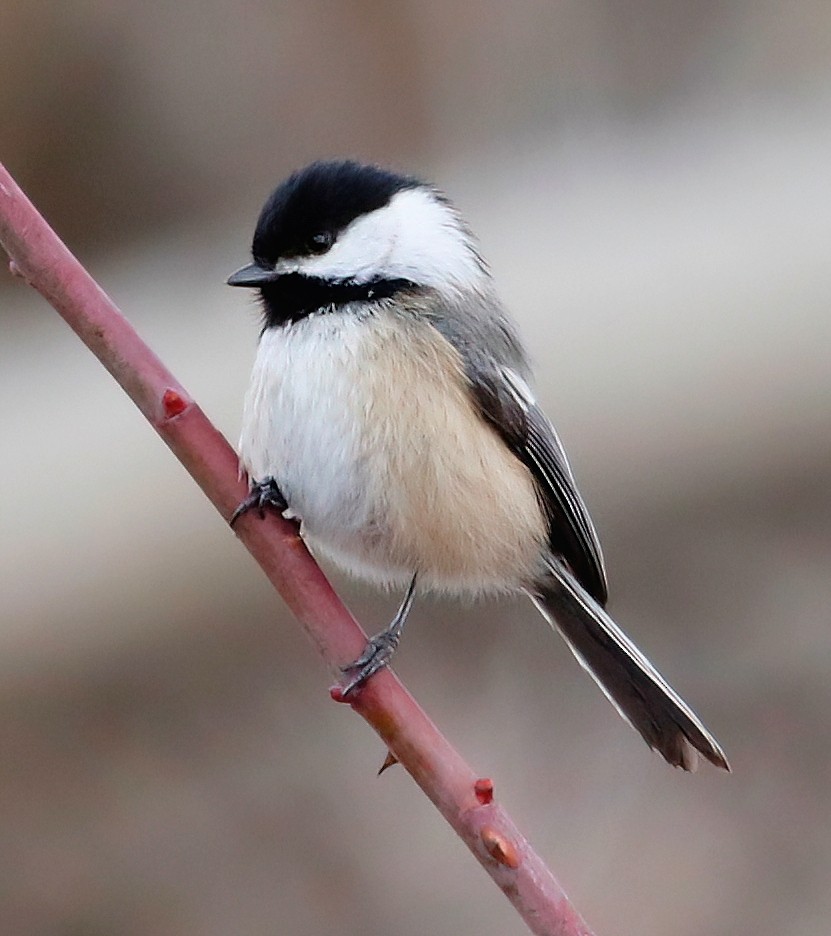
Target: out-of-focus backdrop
column 652, row 184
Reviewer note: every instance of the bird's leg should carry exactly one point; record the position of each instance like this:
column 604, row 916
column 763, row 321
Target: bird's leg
column 381, row 647
column 263, row 494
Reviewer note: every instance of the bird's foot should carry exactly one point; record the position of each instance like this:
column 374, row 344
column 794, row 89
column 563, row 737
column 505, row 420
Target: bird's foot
column 377, row 654
column 263, row 494
column 380, row 648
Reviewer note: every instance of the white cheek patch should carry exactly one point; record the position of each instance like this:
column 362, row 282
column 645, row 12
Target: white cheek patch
column 414, row 237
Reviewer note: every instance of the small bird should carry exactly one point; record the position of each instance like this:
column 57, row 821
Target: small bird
column 390, row 412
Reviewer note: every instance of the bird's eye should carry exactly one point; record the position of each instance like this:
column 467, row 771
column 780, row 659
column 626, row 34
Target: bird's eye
column 320, row 242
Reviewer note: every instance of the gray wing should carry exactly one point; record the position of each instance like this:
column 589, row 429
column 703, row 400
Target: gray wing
column 507, row 404
column 496, row 368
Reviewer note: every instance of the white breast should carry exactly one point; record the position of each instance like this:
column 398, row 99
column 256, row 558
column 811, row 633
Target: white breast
column 299, row 419
column 367, row 426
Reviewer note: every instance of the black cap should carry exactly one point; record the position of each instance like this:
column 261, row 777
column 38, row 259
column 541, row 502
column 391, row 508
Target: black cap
column 316, row 204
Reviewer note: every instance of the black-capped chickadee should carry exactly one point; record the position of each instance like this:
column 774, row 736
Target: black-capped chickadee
column 389, row 411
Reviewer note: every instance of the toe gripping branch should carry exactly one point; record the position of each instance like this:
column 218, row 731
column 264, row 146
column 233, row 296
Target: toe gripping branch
column 263, row 494
column 379, row 650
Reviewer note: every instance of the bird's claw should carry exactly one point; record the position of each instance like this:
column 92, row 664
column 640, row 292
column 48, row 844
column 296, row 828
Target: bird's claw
column 376, row 655
column 263, row 494
column 379, row 650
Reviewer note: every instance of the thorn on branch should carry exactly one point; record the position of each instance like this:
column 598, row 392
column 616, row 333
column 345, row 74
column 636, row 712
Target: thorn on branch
column 389, row 761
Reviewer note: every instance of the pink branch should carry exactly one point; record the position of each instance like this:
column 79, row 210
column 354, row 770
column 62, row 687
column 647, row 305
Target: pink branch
column 465, row 801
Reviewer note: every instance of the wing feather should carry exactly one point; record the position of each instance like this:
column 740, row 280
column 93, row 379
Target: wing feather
column 507, row 404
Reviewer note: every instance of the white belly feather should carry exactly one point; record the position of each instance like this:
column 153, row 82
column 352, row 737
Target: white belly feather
column 367, row 427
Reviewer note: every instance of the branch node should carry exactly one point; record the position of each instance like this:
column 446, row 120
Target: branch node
column 174, row 403
column 336, row 692
column 483, row 788
column 499, row 848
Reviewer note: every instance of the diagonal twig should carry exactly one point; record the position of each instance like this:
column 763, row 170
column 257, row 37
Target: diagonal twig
column 465, row 800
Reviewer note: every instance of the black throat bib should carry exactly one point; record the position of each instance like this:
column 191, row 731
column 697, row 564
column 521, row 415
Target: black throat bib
column 294, row 296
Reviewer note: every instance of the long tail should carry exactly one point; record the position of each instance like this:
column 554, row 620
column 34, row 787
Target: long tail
column 630, row 682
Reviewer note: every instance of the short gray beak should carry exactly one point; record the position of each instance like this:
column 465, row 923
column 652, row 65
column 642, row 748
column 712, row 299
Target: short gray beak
column 252, row 275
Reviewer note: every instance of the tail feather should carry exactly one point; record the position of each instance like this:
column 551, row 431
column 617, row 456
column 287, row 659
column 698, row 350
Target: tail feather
column 627, row 678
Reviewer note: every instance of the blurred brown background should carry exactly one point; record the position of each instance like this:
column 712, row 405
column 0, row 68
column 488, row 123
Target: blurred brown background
column 651, row 184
